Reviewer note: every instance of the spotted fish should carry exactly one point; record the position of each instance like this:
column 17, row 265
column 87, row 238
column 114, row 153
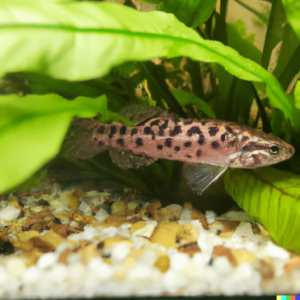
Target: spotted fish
column 207, row 146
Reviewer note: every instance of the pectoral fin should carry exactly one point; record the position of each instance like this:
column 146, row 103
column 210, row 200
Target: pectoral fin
column 126, row 159
column 201, row 176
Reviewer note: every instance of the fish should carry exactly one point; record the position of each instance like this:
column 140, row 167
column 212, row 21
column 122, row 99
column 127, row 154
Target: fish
column 207, row 146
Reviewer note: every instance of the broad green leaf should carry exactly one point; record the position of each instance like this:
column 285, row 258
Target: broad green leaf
column 190, row 12
column 185, row 98
column 292, row 10
column 272, row 197
column 32, row 129
column 274, row 31
column 83, row 40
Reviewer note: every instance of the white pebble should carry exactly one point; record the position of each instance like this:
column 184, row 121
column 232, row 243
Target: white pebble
column 179, row 260
column 84, row 207
column 222, row 265
column 16, row 266
column 243, row 230
column 101, row 215
column 9, row 213
column 210, row 216
column 276, row 251
column 147, row 230
column 120, row 252
column 32, row 275
column 186, row 216
column 47, row 260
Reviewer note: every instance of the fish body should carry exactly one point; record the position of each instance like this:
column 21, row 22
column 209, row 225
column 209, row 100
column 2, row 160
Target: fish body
column 207, row 146
column 215, row 142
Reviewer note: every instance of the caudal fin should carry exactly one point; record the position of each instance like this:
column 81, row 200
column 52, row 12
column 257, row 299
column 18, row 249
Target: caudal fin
column 79, row 140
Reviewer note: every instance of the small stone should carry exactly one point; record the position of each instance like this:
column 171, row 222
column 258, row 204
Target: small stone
column 47, row 260
column 9, row 213
column 101, row 215
column 84, row 207
column 118, row 207
column 16, row 266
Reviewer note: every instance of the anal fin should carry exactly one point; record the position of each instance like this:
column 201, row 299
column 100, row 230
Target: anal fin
column 200, row 176
column 126, row 159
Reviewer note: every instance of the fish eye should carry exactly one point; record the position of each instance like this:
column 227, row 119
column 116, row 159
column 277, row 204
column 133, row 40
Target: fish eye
column 274, row 150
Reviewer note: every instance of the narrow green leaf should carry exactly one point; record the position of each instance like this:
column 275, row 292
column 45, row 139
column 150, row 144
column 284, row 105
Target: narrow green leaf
column 272, row 197
column 190, row 12
column 290, row 42
column 290, row 70
column 49, row 37
column 185, row 98
column 274, row 32
column 32, row 129
column 297, row 95
column 156, row 77
column 292, row 10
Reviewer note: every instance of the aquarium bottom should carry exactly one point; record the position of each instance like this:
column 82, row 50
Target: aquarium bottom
column 71, row 243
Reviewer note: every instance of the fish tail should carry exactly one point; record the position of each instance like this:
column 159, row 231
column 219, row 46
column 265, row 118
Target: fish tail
column 80, row 142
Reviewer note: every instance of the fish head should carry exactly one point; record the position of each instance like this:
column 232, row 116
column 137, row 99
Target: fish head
column 261, row 149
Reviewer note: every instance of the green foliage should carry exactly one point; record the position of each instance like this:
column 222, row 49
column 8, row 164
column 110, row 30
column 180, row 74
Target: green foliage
column 190, row 12
column 271, row 196
column 184, row 57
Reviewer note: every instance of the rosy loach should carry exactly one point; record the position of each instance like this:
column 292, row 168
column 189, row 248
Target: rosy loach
column 208, row 146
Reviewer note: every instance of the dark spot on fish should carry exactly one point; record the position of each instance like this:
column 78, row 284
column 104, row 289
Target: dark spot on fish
column 176, row 121
column 139, row 142
column 133, row 131
column 123, row 130
column 188, row 156
column 154, row 123
column 245, row 138
column 170, row 155
column 101, row 129
column 213, row 131
column 165, row 125
column 175, row 131
column 112, row 131
column 120, row 142
column 229, row 129
column 147, row 130
column 188, row 122
column 290, row 150
column 95, row 139
column 215, row 144
column 168, row 142
column 177, row 148
column 100, row 143
column 159, row 147
column 232, row 143
column 203, row 123
column 153, row 135
column 201, row 141
column 199, row 152
column 223, row 136
column 161, row 131
column 187, row 144
column 192, row 130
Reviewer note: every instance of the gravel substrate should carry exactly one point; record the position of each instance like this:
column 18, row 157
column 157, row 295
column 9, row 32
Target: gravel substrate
column 60, row 244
